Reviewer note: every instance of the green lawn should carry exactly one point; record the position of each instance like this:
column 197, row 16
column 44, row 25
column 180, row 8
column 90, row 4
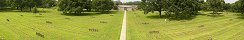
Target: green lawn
column 54, row 26
column 227, row 26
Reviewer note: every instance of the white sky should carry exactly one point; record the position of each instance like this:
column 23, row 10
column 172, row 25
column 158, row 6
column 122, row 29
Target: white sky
column 226, row 1
column 127, row 0
column 230, row 1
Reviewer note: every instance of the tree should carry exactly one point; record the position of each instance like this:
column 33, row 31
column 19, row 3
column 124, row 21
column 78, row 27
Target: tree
column 180, row 8
column 203, row 5
column 2, row 3
column 216, row 5
column 72, row 6
column 102, row 5
column 239, row 6
column 152, row 5
column 132, row 3
column 116, row 5
column 184, row 8
column 23, row 4
column 47, row 3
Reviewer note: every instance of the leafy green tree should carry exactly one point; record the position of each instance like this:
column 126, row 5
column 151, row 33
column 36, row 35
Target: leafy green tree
column 116, row 5
column 180, row 8
column 75, row 6
column 132, row 3
column 2, row 3
column 24, row 4
column 239, row 6
column 47, row 3
column 152, row 5
column 216, row 5
column 203, row 5
column 72, row 6
column 19, row 4
column 184, row 8
column 102, row 5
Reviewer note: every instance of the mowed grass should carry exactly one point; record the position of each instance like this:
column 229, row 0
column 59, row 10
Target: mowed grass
column 55, row 26
column 227, row 26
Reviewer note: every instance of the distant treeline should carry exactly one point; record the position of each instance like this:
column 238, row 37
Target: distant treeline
column 189, row 8
column 67, row 6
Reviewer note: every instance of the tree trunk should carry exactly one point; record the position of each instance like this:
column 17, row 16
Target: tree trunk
column 160, row 12
column 87, row 10
column 30, row 8
column 21, row 9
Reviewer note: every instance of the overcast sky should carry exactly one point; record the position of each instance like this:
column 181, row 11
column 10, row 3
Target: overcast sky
column 227, row 1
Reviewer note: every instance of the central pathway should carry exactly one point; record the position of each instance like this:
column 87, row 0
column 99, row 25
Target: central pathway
column 123, row 30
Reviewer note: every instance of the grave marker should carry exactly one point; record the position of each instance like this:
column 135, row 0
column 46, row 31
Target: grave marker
column 145, row 23
column 66, row 18
column 8, row 20
column 40, row 34
column 93, row 17
column 21, row 15
column 201, row 26
column 154, row 32
column 49, row 22
column 103, row 22
column 111, row 15
column 93, row 30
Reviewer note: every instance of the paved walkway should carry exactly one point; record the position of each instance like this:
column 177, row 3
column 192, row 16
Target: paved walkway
column 123, row 30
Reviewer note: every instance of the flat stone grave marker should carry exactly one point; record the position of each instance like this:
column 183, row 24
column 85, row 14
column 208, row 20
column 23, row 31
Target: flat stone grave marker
column 231, row 19
column 93, row 30
column 8, row 20
column 93, row 17
column 111, row 15
column 103, row 22
column 40, row 34
column 154, row 32
column 138, row 16
column 135, row 13
column 40, row 14
column 66, row 18
column 183, row 21
column 201, row 26
column 21, row 15
column 49, row 22
column 145, row 23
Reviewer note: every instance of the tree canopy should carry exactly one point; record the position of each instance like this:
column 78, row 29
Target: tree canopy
column 2, row 3
column 216, row 5
column 78, row 6
column 179, row 8
column 29, row 4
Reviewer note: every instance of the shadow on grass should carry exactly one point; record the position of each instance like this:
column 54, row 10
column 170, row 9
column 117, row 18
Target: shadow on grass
column 241, row 16
column 172, row 17
column 16, row 10
column 215, row 15
column 6, row 9
column 88, row 13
